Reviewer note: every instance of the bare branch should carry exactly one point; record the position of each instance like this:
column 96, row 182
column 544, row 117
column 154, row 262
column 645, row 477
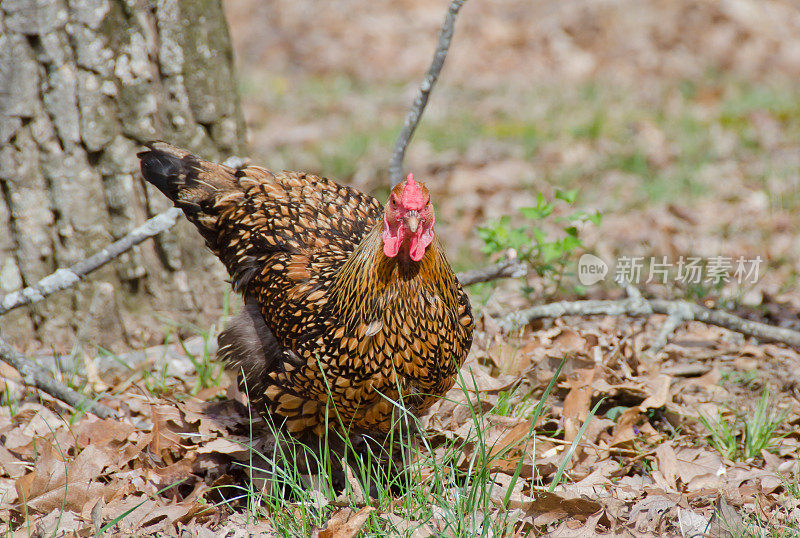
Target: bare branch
column 507, row 269
column 66, row 278
column 425, row 88
column 34, row 375
column 639, row 307
column 631, row 290
column 679, row 315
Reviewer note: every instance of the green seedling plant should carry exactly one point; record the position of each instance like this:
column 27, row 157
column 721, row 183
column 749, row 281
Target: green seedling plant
column 749, row 434
column 209, row 370
column 760, row 428
column 157, row 383
column 549, row 254
column 516, row 403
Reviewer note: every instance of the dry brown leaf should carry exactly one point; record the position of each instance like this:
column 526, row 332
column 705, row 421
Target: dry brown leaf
column 544, row 502
column 234, row 525
column 691, row 523
column 596, row 483
column 9, row 375
column 650, row 509
column 442, row 414
column 514, row 449
column 96, row 514
column 131, row 451
column 102, row 431
column 477, row 378
column 597, row 429
column 177, row 512
column 548, row 458
column 502, row 485
column 507, row 355
column 59, row 523
column 667, row 465
column 138, row 403
column 699, row 468
column 726, row 521
column 568, row 341
column 42, row 423
column 659, row 393
column 625, row 391
column 578, row 529
column 629, row 488
column 212, row 418
column 357, row 493
column 345, row 523
column 404, row 527
column 172, row 473
column 462, row 422
column 8, row 491
column 708, row 382
column 164, row 437
column 739, row 478
column 625, row 430
column 772, row 461
column 54, row 483
column 209, row 393
column 10, row 464
column 237, row 446
column 140, row 506
column 577, row 402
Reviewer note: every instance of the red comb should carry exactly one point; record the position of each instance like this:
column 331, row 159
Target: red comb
column 413, row 198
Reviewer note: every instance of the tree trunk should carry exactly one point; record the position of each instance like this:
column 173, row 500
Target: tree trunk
column 82, row 84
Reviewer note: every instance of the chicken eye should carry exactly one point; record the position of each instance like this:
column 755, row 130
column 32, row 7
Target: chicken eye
column 394, row 202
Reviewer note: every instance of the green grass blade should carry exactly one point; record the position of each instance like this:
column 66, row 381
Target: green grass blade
column 534, row 419
column 130, row 510
column 572, row 447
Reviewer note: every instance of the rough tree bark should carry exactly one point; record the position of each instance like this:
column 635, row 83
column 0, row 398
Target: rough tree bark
column 82, row 84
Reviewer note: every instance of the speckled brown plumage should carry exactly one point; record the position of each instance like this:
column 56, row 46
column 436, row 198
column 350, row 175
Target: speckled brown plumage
column 330, row 323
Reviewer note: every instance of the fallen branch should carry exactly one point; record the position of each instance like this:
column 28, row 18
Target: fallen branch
column 640, row 307
column 679, row 315
column 34, row 375
column 425, row 88
column 507, row 269
column 66, row 278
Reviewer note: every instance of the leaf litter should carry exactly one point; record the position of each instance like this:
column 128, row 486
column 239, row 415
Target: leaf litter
column 643, row 465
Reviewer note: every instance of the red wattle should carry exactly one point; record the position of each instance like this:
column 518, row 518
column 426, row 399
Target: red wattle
column 392, row 239
column 419, row 242
column 391, row 246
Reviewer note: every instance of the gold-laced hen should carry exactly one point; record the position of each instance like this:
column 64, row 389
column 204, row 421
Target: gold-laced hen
column 348, row 305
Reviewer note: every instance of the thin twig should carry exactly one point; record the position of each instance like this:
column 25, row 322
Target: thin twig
column 34, row 375
column 680, row 314
column 507, row 269
column 639, row 307
column 425, row 88
column 632, row 291
column 66, row 278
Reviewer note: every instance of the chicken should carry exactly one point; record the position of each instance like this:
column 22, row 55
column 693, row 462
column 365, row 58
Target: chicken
column 349, row 306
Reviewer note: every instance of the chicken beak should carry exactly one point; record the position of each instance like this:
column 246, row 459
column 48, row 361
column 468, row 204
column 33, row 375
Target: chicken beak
column 412, row 221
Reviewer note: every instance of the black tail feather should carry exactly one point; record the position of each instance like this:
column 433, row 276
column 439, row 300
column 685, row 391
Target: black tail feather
column 166, row 167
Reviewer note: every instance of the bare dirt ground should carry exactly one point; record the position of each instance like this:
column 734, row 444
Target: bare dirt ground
column 677, row 120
